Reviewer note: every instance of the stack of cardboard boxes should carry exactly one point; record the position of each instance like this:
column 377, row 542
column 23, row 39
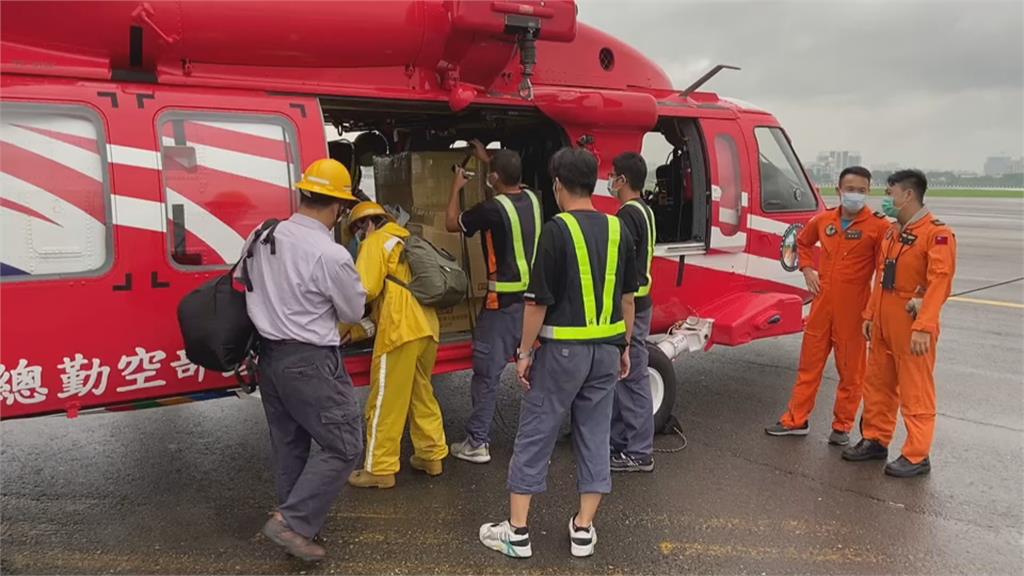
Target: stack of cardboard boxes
column 421, row 183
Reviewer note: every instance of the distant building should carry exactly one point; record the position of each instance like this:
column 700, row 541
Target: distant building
column 828, row 165
column 1003, row 165
column 1017, row 166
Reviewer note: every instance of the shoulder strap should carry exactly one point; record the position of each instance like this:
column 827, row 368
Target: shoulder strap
column 266, row 232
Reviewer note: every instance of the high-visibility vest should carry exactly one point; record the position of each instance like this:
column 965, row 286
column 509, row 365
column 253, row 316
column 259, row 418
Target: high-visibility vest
column 517, row 244
column 597, row 327
column 645, row 289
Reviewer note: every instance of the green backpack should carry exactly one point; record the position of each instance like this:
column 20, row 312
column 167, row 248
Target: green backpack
column 437, row 279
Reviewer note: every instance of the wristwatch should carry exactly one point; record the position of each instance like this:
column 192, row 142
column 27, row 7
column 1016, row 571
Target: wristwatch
column 520, row 355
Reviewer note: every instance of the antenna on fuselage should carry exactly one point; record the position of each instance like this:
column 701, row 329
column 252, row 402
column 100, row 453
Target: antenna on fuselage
column 703, row 79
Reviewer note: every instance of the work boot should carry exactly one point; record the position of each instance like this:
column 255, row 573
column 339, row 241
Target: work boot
column 293, row 543
column 839, row 438
column 431, row 467
column 622, row 462
column 903, row 468
column 866, row 450
column 363, row 479
column 581, row 540
column 465, row 450
column 778, row 429
column 512, row 542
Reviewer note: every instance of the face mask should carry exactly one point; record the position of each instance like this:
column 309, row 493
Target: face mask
column 360, row 233
column 611, row 186
column 489, row 182
column 854, row 201
column 353, row 246
column 889, row 208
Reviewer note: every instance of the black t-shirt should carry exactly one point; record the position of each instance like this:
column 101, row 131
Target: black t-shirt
column 635, row 222
column 555, row 282
column 499, row 249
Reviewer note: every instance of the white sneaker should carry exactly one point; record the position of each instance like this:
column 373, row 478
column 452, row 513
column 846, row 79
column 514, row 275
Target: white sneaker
column 500, row 537
column 581, row 540
column 466, row 451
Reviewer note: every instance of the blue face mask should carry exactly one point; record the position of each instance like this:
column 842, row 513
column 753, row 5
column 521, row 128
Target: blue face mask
column 854, row 201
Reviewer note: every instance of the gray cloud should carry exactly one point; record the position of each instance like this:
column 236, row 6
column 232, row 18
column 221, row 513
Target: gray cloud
column 936, row 84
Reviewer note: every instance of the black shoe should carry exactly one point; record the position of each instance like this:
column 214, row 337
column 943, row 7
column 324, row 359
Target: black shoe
column 778, row 429
column 866, row 450
column 624, row 463
column 903, row 468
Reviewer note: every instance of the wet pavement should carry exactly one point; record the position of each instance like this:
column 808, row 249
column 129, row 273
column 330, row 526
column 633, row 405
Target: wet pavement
column 185, row 489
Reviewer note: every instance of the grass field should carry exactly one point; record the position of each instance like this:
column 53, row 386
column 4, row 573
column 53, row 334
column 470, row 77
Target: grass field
column 950, row 193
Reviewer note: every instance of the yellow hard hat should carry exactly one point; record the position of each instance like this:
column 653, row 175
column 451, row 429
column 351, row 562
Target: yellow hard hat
column 366, row 209
column 328, row 177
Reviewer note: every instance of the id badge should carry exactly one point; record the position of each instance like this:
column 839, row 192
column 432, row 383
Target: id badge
column 889, row 275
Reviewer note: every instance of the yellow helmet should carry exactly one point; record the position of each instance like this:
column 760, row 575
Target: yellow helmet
column 328, row 177
column 366, row 209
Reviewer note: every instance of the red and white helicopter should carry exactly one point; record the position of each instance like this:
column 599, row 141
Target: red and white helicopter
column 140, row 143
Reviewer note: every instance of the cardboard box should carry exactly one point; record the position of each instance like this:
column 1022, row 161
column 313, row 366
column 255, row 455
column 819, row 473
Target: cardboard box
column 421, row 182
column 455, row 319
column 459, row 318
column 477, row 267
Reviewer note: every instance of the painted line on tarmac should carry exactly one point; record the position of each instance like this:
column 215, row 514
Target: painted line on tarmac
column 987, row 302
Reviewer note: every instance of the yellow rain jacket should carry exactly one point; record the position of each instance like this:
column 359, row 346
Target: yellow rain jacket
column 398, row 316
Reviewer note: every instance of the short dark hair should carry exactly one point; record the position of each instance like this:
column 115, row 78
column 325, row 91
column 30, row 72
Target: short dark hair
column 912, row 179
column 855, row 171
column 508, row 166
column 633, row 168
column 317, row 201
column 576, row 169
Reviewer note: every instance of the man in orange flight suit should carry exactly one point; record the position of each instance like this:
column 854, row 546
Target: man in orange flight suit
column 915, row 274
column 850, row 236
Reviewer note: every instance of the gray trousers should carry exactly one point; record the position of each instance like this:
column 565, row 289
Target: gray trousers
column 495, row 340
column 307, row 395
column 566, row 376
column 633, row 415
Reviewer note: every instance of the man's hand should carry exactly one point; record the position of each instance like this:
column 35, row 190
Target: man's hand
column 624, row 364
column 813, row 281
column 480, row 151
column 461, row 178
column 523, row 366
column 866, row 330
column 913, row 307
column 920, row 342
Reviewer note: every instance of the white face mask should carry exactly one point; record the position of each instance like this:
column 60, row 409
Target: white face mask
column 554, row 189
column 854, row 201
column 611, row 186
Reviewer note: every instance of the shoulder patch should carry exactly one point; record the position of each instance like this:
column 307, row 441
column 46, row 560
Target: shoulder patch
column 879, row 215
column 390, row 243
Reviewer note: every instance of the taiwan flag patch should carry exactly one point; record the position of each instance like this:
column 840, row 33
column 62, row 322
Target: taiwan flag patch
column 941, row 240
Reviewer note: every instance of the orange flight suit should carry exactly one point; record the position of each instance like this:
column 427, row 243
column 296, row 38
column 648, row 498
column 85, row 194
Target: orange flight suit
column 847, row 262
column 896, row 378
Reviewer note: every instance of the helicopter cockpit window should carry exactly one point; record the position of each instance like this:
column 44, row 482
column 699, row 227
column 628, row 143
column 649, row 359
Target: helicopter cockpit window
column 784, row 186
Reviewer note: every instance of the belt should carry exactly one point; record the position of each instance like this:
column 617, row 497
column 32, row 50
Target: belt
column 903, row 293
column 268, row 341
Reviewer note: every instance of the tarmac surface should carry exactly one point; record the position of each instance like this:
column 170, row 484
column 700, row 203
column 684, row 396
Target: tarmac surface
column 185, row 489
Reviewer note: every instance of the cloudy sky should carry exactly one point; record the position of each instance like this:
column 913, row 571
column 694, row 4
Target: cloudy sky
column 936, row 84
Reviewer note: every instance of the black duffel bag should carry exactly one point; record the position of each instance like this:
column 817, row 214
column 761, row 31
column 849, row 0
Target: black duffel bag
column 214, row 323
